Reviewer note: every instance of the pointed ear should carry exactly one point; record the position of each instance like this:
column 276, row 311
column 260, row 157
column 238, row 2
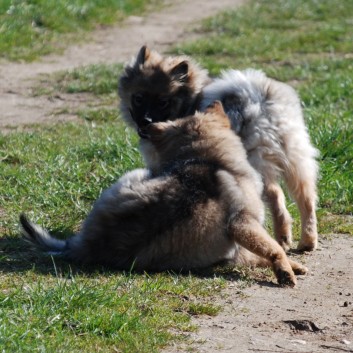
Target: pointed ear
column 217, row 108
column 180, row 72
column 142, row 56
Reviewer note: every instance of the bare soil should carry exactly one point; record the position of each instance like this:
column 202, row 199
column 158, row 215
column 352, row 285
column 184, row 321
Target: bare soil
column 317, row 315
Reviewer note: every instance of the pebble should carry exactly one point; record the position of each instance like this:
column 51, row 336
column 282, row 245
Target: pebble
column 346, row 342
column 299, row 341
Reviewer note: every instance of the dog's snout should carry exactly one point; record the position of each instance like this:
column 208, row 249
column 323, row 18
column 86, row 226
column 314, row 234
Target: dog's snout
column 146, row 120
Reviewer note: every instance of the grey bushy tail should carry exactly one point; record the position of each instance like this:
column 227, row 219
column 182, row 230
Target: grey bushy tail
column 41, row 238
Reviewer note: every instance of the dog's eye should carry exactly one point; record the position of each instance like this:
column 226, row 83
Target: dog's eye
column 137, row 99
column 163, row 103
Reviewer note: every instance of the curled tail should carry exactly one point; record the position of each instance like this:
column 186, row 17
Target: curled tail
column 41, row 238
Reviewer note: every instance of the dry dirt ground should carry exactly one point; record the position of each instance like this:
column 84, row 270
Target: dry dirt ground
column 317, row 315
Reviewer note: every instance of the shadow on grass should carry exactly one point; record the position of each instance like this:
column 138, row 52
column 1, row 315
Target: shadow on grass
column 17, row 256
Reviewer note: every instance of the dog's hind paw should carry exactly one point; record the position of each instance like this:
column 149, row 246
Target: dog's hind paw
column 307, row 244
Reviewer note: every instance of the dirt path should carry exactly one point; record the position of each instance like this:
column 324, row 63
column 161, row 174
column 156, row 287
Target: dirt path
column 256, row 319
column 316, row 316
column 118, row 44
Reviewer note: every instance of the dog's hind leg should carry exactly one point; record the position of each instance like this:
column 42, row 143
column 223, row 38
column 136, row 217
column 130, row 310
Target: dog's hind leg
column 250, row 234
column 282, row 221
column 302, row 186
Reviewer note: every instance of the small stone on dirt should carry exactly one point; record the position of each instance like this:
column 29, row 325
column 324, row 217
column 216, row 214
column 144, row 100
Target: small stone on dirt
column 302, row 325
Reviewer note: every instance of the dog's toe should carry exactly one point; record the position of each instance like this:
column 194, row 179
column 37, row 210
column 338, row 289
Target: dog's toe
column 285, row 278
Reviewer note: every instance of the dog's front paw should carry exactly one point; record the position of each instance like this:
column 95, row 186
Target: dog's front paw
column 285, row 278
column 300, row 270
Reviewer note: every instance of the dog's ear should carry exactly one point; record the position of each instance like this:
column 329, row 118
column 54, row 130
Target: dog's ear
column 217, row 108
column 180, row 71
column 142, row 56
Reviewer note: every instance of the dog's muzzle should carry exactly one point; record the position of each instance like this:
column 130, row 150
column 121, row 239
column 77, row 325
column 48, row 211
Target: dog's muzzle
column 142, row 132
column 142, row 126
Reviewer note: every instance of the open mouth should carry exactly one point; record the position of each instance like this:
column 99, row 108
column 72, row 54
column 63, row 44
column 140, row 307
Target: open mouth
column 143, row 133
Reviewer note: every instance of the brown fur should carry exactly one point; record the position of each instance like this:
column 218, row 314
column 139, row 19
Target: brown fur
column 265, row 113
column 200, row 205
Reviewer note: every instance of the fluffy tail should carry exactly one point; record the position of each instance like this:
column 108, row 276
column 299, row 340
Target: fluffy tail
column 41, row 238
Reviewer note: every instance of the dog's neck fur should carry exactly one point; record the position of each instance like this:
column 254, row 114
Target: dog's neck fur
column 216, row 148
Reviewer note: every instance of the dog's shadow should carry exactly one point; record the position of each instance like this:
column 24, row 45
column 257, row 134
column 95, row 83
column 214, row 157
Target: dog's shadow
column 17, row 256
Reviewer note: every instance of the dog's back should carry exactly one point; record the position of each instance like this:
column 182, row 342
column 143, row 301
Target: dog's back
column 175, row 221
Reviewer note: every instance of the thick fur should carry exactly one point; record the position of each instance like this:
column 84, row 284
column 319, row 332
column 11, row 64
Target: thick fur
column 264, row 112
column 153, row 88
column 198, row 206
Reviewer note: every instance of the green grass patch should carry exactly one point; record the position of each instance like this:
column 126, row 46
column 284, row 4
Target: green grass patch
column 267, row 32
column 100, row 114
column 29, row 28
column 99, row 312
column 61, row 168
column 95, row 84
column 99, row 79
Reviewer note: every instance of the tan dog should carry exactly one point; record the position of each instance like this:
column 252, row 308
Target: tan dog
column 265, row 113
column 198, row 206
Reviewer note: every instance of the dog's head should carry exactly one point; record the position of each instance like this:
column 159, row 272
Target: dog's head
column 196, row 136
column 155, row 88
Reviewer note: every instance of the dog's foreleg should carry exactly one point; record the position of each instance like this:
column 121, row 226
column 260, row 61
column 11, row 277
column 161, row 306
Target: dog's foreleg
column 250, row 234
column 247, row 258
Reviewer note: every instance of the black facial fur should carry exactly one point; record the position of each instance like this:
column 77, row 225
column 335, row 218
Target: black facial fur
column 155, row 94
column 157, row 100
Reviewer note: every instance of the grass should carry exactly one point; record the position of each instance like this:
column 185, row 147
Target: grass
column 101, row 312
column 29, row 29
column 98, row 79
column 54, row 173
column 79, row 162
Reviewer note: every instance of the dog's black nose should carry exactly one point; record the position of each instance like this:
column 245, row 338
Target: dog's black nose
column 146, row 121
